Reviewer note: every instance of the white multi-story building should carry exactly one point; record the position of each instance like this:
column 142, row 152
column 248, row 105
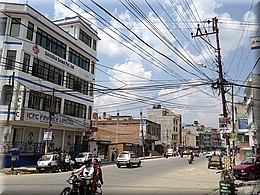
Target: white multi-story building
column 47, row 69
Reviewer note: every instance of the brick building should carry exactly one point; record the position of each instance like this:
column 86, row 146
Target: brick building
column 125, row 133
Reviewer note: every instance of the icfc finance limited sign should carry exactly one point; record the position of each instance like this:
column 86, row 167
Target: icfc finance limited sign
column 30, row 115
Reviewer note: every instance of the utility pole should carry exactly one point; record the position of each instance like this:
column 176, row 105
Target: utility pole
column 142, row 131
column 221, row 82
column 7, row 127
column 233, row 127
column 51, row 113
column 117, row 126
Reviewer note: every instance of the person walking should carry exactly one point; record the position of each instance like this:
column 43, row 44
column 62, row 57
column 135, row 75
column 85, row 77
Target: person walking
column 14, row 158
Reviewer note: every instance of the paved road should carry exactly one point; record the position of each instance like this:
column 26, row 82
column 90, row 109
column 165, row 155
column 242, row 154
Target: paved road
column 155, row 176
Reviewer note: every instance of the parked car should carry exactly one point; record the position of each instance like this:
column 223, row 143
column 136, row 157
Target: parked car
column 248, row 169
column 128, row 158
column 48, row 162
column 170, row 152
column 82, row 157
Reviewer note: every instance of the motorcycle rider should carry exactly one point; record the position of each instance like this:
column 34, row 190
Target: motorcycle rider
column 87, row 170
column 97, row 175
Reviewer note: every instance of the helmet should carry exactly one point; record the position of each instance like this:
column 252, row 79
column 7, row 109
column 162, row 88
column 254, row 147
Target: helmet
column 88, row 162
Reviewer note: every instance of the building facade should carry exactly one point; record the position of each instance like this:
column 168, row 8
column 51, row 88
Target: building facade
column 170, row 127
column 253, row 111
column 46, row 79
column 125, row 131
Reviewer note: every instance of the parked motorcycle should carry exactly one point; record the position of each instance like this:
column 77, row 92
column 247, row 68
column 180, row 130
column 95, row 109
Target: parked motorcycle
column 190, row 158
column 80, row 186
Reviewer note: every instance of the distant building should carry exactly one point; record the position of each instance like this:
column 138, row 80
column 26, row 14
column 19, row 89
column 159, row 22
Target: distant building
column 170, row 126
column 207, row 138
column 125, row 133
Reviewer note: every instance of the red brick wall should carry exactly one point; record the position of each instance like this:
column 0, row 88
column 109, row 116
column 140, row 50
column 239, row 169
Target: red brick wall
column 126, row 132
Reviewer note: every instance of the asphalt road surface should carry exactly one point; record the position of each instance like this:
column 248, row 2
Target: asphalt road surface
column 156, row 176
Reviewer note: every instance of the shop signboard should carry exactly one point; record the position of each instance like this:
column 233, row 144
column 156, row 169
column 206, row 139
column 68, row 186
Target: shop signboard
column 226, row 188
column 47, row 136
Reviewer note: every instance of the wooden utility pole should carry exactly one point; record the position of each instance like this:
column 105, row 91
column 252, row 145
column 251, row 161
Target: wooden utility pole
column 142, row 132
column 51, row 112
column 221, row 82
column 7, row 127
column 233, row 128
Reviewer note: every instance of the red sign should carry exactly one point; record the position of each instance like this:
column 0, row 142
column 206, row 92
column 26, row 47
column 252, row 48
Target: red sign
column 36, row 49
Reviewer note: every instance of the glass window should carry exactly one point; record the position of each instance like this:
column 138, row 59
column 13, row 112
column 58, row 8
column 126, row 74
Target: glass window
column 94, row 44
column 30, row 28
column 47, row 72
column 15, row 27
column 74, row 109
column 2, row 25
column 93, row 67
column 50, row 43
column 89, row 112
column 10, row 60
column 26, row 62
column 41, row 101
column 85, row 38
column 6, row 94
column 91, row 89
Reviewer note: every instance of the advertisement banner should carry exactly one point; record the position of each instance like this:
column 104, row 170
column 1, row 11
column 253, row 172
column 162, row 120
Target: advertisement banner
column 47, row 136
column 225, row 125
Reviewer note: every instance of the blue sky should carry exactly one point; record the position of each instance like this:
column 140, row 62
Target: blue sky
column 170, row 74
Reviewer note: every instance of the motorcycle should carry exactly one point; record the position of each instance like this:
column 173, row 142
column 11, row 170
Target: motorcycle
column 190, row 159
column 79, row 185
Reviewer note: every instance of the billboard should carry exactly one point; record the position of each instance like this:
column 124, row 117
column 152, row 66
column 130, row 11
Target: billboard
column 225, row 125
column 242, row 124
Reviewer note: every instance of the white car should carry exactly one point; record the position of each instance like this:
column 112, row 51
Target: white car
column 170, row 152
column 48, row 162
column 128, row 158
column 209, row 154
column 84, row 156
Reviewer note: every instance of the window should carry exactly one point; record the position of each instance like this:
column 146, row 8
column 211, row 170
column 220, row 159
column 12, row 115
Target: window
column 77, row 84
column 50, row 43
column 74, row 109
column 2, row 25
column 30, row 28
column 15, row 27
column 94, row 44
column 91, row 89
column 10, row 60
column 26, row 62
column 47, row 72
column 93, row 67
column 6, row 94
column 85, row 38
column 89, row 112
column 78, row 59
column 41, row 101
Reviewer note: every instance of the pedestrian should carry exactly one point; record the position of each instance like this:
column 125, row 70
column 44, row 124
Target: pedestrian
column 14, row 158
column 113, row 154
